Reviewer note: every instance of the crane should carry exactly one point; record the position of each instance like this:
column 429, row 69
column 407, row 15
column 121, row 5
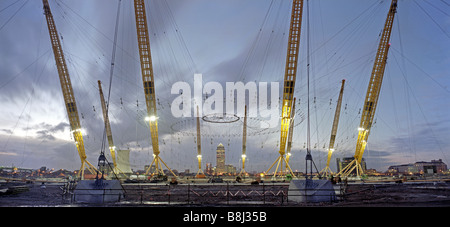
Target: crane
column 334, row 128
column 200, row 173
column 244, row 143
column 69, row 97
column 289, row 81
column 373, row 92
column 149, row 84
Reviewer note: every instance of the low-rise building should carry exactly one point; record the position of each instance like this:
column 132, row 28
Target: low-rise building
column 435, row 166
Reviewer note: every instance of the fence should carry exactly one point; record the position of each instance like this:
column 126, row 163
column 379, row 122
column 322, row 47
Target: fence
column 205, row 194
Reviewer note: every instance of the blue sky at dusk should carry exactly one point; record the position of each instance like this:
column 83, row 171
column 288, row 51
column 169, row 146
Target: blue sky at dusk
column 226, row 41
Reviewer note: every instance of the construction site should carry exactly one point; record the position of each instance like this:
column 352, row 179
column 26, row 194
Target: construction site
column 251, row 138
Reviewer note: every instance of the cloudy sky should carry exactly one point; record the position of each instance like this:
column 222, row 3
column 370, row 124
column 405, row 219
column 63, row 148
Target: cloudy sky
column 225, row 41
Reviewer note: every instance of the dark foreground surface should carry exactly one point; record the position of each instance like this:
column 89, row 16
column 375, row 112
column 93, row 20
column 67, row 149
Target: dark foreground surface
column 430, row 194
column 398, row 195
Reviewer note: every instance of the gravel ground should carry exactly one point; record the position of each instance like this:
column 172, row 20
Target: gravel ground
column 50, row 196
column 357, row 195
column 398, row 195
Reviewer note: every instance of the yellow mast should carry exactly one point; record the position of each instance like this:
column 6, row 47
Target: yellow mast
column 244, row 143
column 149, row 84
column 291, row 133
column 373, row 92
column 112, row 147
column 66, row 86
column 200, row 173
column 289, row 82
column 334, row 128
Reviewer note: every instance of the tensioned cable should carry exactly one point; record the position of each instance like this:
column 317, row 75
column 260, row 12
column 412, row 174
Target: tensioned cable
column 308, row 62
column 438, row 9
column 425, row 73
column 432, row 19
column 12, row 16
column 26, row 68
column 102, row 151
column 1, row 10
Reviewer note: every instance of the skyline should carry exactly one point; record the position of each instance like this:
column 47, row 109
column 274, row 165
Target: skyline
column 226, row 41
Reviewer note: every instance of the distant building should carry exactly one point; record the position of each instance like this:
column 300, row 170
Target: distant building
column 345, row 161
column 220, row 160
column 152, row 168
column 43, row 169
column 435, row 166
column 403, row 169
column 230, row 169
column 61, row 173
column 168, row 173
column 373, row 172
column 209, row 169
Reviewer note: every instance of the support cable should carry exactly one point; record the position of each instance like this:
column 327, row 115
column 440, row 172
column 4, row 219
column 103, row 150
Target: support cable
column 102, row 159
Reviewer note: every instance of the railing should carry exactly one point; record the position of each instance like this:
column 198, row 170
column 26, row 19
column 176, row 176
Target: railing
column 210, row 194
column 205, row 194
column 317, row 196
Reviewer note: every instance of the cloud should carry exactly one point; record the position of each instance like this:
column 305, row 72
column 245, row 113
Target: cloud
column 34, row 152
column 8, row 131
column 425, row 141
column 44, row 135
column 45, row 131
column 219, row 45
column 60, row 127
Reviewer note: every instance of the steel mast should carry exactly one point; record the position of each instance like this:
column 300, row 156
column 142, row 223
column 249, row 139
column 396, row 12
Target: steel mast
column 66, row 86
column 289, row 82
column 327, row 171
column 244, row 143
column 291, row 133
column 149, row 84
column 200, row 173
column 373, row 92
column 112, row 147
